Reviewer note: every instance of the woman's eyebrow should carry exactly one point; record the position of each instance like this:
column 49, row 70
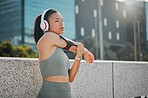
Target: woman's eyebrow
column 58, row 18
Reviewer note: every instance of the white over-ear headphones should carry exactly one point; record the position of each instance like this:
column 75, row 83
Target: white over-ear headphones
column 44, row 25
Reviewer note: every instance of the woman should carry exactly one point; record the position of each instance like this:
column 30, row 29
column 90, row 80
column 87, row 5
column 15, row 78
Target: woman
column 54, row 64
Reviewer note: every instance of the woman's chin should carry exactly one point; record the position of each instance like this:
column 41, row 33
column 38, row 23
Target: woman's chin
column 62, row 32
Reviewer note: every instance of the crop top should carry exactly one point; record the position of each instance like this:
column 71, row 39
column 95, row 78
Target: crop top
column 57, row 64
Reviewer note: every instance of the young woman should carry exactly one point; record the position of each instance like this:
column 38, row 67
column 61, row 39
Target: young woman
column 54, row 64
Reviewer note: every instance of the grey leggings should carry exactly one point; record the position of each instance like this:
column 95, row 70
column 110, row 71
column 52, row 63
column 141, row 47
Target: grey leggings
column 54, row 90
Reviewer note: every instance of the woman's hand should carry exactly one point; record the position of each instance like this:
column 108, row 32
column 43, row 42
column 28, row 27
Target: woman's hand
column 89, row 57
column 80, row 50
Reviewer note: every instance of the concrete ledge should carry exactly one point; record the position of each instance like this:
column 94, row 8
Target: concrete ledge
column 93, row 81
column 21, row 78
column 130, row 79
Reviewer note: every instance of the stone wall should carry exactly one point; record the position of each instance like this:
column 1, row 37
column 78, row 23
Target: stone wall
column 21, row 78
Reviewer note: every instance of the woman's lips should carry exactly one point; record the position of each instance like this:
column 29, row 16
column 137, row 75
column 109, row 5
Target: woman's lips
column 62, row 28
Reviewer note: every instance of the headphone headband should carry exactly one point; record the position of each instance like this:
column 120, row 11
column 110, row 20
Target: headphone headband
column 43, row 14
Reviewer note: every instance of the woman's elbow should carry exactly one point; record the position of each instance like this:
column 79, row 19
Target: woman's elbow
column 71, row 80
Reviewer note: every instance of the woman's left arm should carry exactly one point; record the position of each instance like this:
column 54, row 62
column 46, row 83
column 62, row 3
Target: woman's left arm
column 76, row 64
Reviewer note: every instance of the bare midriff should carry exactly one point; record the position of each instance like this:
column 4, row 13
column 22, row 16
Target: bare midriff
column 57, row 78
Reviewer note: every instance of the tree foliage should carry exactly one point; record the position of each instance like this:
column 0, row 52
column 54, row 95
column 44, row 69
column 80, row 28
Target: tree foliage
column 8, row 50
column 145, row 55
column 126, row 53
column 111, row 55
column 90, row 44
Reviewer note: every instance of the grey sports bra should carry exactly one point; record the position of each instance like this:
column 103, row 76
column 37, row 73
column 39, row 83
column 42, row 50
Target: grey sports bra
column 57, row 64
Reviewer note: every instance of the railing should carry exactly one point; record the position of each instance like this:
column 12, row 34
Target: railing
column 21, row 78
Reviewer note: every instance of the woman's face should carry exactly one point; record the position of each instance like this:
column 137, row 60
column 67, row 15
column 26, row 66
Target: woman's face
column 56, row 23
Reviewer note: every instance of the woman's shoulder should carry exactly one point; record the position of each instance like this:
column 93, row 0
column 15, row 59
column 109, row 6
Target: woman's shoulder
column 48, row 38
column 51, row 34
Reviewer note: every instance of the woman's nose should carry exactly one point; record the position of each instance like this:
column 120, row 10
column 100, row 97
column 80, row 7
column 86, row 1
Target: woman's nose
column 61, row 23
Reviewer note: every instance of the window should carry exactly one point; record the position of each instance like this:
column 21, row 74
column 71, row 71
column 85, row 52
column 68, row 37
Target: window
column 105, row 21
column 77, row 9
column 117, row 36
column 110, row 35
column 95, row 13
column 124, row 13
column 101, row 2
column 93, row 32
column 116, row 6
column 117, row 24
column 82, row 31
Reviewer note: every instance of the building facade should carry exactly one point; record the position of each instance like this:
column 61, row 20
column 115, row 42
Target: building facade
column 146, row 10
column 118, row 20
column 11, row 20
column 113, row 20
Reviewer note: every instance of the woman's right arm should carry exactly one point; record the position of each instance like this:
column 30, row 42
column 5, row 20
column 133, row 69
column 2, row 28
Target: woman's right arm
column 55, row 40
column 88, row 56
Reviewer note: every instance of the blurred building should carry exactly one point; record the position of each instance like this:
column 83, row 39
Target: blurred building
column 146, row 10
column 17, row 18
column 136, row 26
column 118, row 21
column 113, row 20
column 11, row 20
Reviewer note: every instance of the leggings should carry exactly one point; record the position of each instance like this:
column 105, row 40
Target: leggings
column 54, row 90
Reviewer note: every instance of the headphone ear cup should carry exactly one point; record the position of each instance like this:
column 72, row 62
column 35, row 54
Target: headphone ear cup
column 44, row 25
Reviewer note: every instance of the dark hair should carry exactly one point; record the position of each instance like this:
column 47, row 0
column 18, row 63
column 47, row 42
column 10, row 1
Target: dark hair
column 38, row 32
column 49, row 13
